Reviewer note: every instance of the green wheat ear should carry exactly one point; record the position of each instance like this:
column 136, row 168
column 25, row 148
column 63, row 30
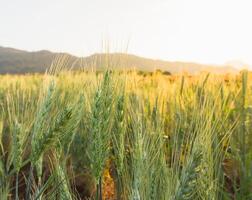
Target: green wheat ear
column 101, row 125
column 187, row 183
column 118, row 134
column 66, row 131
column 17, row 146
column 64, row 192
column 41, row 137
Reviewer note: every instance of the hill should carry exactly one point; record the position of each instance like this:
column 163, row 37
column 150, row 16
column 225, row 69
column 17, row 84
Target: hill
column 19, row 61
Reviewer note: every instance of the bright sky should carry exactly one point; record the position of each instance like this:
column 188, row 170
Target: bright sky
column 207, row 31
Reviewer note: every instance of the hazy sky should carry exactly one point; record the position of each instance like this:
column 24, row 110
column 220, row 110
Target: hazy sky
column 207, row 31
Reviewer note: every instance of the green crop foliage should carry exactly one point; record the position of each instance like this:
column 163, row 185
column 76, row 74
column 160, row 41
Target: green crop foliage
column 123, row 135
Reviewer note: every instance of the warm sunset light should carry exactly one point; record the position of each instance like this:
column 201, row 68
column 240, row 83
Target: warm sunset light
column 125, row 100
column 207, row 31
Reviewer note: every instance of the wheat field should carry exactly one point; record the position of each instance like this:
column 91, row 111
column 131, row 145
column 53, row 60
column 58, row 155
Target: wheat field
column 126, row 136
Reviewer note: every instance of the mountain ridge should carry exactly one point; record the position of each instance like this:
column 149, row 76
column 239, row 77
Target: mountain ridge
column 15, row 61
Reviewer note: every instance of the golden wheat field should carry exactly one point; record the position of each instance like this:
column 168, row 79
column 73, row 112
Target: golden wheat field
column 125, row 136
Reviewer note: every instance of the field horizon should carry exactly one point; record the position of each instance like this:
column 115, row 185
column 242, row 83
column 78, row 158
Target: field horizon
column 15, row 61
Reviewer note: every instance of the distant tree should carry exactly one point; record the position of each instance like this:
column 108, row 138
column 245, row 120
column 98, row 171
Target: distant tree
column 144, row 73
column 140, row 72
column 167, row 73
